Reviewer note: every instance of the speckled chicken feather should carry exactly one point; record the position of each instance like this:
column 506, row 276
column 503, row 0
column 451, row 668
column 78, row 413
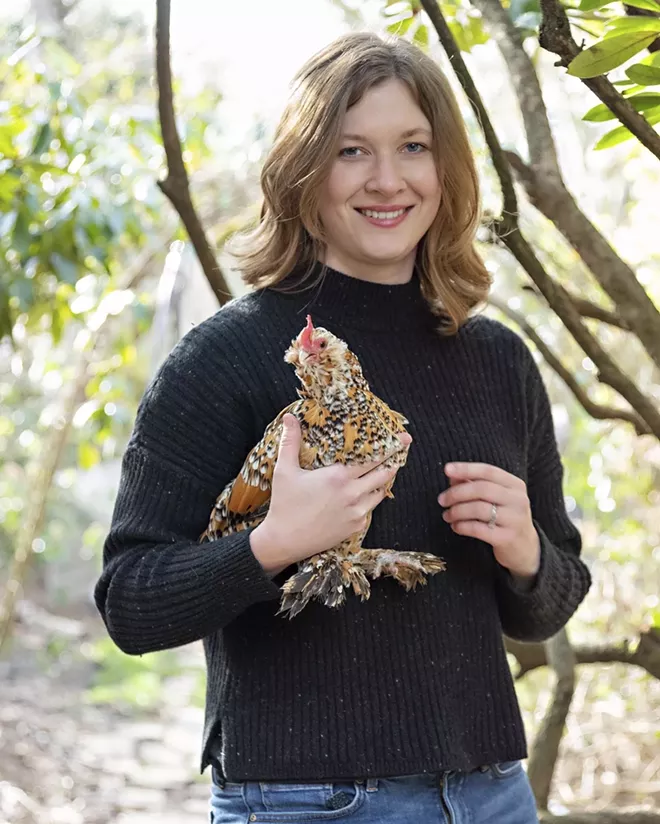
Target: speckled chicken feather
column 342, row 421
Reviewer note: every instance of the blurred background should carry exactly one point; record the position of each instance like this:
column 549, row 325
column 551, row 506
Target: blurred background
column 98, row 281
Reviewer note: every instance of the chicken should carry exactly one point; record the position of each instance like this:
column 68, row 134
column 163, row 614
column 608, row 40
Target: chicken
column 341, row 421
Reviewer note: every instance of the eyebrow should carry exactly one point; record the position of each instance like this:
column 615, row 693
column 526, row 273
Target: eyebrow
column 408, row 133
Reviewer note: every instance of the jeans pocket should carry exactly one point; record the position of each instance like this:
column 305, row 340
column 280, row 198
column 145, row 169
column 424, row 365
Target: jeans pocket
column 277, row 802
column 506, row 769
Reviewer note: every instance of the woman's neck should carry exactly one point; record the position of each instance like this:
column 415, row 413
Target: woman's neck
column 388, row 273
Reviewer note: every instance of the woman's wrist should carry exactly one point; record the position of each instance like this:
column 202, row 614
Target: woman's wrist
column 267, row 550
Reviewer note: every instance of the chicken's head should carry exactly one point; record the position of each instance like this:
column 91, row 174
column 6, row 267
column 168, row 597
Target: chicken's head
column 322, row 361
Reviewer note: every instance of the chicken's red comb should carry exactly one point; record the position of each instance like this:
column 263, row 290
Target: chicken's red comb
column 306, row 334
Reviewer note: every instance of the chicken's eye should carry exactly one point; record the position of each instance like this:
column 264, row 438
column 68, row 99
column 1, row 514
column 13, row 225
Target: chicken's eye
column 323, row 344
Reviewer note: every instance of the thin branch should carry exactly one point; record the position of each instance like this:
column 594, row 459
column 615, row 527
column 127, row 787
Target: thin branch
column 588, row 309
column 510, row 201
column 544, row 751
column 615, row 277
column 176, row 185
column 509, row 233
column 591, row 407
column 644, row 654
column 555, row 36
column 546, row 189
column 561, row 303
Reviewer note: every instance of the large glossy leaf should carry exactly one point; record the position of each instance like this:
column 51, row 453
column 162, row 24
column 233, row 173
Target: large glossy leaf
column 621, row 24
column 621, row 134
column 609, row 53
column 640, row 102
column 645, row 75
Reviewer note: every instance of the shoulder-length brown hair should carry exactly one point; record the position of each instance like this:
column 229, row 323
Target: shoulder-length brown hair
column 290, row 234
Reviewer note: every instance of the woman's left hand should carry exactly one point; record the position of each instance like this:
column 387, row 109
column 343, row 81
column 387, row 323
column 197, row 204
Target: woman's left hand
column 487, row 503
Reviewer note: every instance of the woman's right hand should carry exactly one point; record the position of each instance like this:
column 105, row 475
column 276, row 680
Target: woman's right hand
column 313, row 510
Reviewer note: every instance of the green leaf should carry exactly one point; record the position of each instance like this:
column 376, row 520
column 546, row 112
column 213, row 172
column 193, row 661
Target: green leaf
column 401, row 27
column 10, row 182
column 21, row 237
column 421, row 36
column 651, row 5
column 591, row 5
column 609, row 53
column 640, row 102
column 66, row 270
column 42, row 140
column 88, row 455
column 645, row 75
column 620, row 24
column 621, row 134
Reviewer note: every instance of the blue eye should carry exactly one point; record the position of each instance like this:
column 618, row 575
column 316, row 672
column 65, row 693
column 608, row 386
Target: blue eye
column 418, row 147
column 345, row 152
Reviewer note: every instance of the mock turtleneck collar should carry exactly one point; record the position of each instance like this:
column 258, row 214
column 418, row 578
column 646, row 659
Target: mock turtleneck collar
column 356, row 303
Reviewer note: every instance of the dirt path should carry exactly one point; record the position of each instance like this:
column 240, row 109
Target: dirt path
column 66, row 761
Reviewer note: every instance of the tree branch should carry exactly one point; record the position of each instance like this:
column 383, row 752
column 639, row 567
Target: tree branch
column 582, row 396
column 509, row 233
column 176, row 185
column 545, row 747
column 615, row 277
column 560, row 301
column 591, row 310
column 546, row 190
column 555, row 36
column 510, row 201
column 645, row 654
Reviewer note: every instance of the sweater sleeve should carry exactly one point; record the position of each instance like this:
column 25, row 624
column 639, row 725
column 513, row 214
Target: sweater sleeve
column 161, row 588
column 563, row 580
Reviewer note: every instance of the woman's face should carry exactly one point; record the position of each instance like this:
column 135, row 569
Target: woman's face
column 383, row 191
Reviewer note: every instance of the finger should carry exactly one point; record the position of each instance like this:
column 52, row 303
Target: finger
column 480, row 530
column 358, row 470
column 371, row 500
column 482, row 471
column 475, row 511
column 289, row 450
column 475, row 491
column 374, row 480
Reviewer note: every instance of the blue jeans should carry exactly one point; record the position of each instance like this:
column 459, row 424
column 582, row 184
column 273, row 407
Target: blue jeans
column 499, row 793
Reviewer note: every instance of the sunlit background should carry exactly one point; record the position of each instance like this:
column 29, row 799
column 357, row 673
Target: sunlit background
column 98, row 284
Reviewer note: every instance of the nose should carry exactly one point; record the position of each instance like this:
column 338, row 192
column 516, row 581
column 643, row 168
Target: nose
column 386, row 177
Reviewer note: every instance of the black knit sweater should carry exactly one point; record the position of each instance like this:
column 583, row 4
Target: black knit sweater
column 406, row 682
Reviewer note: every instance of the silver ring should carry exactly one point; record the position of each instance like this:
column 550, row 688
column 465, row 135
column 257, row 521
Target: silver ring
column 493, row 516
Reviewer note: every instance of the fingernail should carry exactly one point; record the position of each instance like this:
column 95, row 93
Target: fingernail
column 449, row 468
column 441, row 498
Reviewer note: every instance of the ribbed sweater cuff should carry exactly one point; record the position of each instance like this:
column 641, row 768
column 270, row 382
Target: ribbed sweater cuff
column 561, row 583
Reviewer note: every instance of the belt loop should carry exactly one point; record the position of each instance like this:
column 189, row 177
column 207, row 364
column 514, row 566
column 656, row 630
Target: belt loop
column 372, row 785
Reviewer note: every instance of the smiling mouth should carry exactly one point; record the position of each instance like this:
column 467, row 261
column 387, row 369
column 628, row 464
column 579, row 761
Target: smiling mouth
column 384, row 215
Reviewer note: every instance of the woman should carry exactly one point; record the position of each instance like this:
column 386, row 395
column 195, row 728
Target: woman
column 402, row 708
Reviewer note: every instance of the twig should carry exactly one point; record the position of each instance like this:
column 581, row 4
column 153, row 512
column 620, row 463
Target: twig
column 176, row 185
column 645, row 654
column 594, row 409
column 555, row 36
column 591, row 310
